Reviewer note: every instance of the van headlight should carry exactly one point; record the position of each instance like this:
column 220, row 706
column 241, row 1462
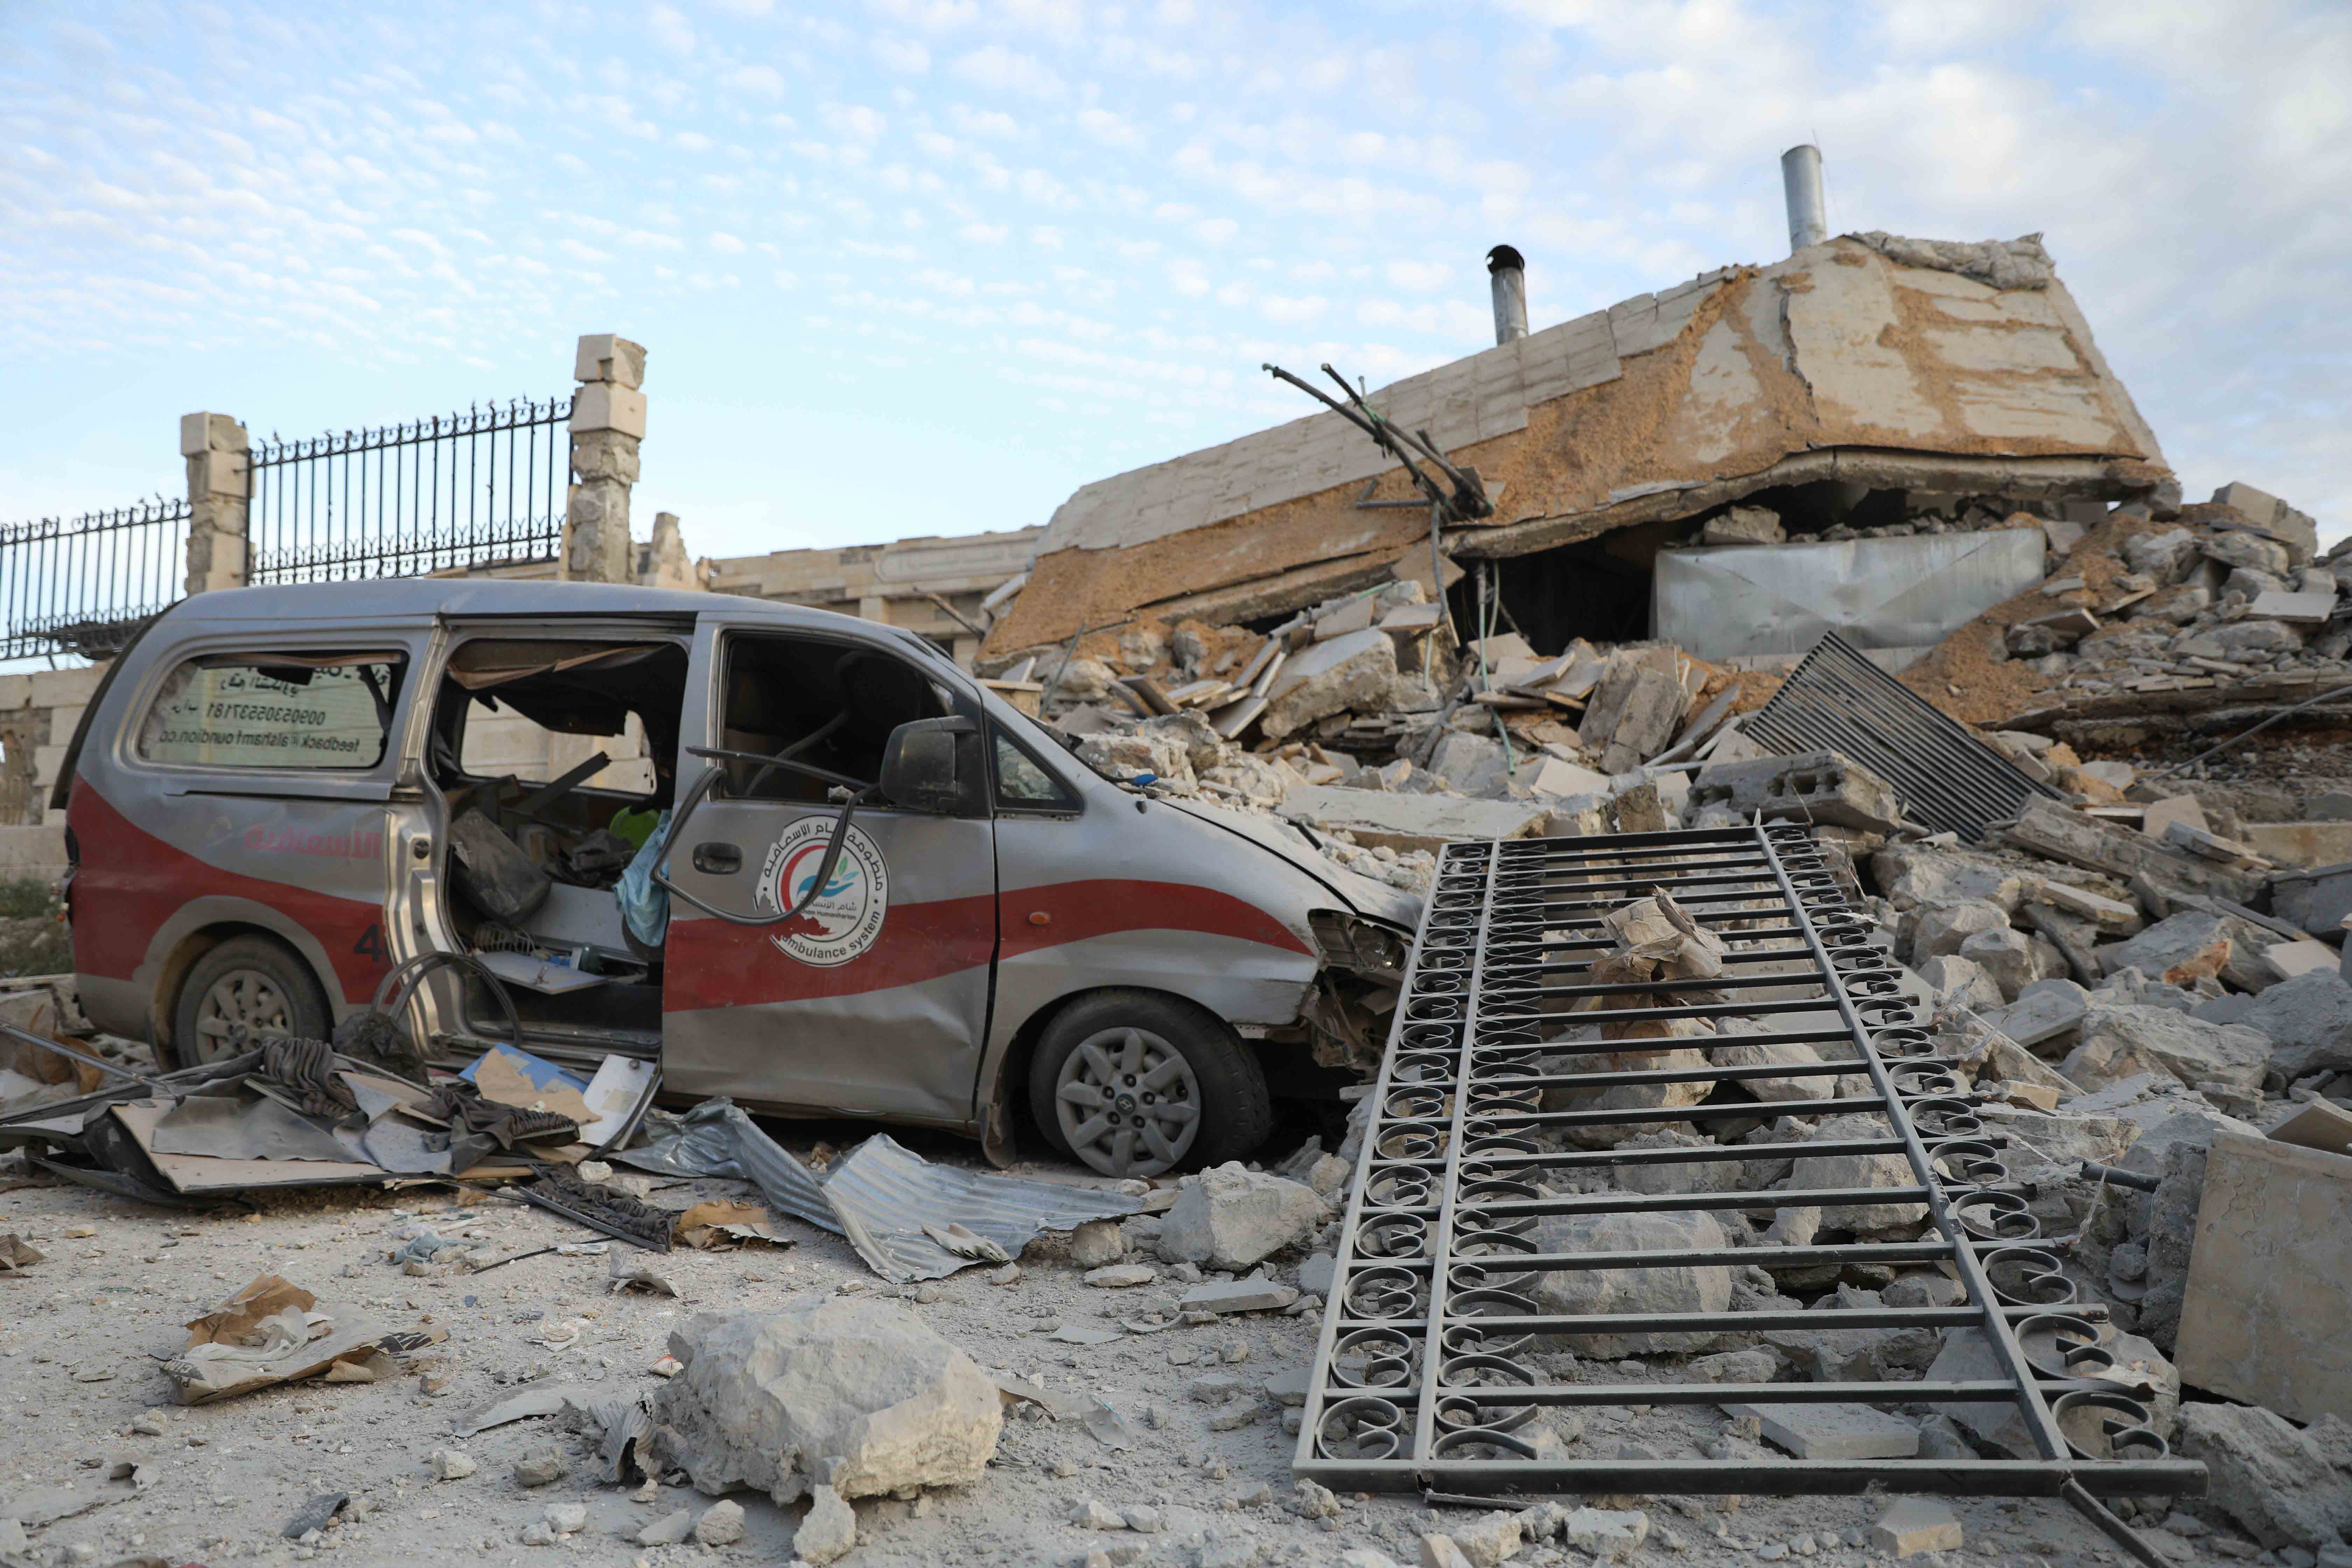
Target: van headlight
column 1362, row 946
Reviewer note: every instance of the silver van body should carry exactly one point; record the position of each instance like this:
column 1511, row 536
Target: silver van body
column 278, row 768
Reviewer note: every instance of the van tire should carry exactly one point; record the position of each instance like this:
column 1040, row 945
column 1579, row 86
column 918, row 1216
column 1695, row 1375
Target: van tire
column 1174, row 1042
column 241, row 991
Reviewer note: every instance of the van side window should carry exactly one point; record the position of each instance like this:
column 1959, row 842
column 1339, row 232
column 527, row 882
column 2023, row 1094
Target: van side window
column 1022, row 784
column 293, row 711
column 837, row 702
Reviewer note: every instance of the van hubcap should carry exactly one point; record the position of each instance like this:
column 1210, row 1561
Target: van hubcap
column 1128, row 1103
column 244, row 1007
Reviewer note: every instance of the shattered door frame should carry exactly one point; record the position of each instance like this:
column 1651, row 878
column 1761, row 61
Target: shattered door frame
column 1446, row 1193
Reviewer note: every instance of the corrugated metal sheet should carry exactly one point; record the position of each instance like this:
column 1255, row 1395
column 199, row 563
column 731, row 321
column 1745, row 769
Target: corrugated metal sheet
column 1838, row 700
column 1731, row 602
column 883, row 1196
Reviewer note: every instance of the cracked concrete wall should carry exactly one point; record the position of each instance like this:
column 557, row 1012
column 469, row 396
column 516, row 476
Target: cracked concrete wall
column 1888, row 360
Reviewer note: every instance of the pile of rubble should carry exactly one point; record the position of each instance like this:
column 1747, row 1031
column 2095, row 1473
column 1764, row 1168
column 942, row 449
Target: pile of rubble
column 2159, row 599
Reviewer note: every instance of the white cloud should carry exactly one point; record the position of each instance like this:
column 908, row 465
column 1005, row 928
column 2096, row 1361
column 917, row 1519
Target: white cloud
column 668, row 27
column 1002, row 70
column 765, row 81
column 907, row 55
column 726, row 244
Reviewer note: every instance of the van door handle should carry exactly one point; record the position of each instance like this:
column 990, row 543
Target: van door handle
column 718, row 859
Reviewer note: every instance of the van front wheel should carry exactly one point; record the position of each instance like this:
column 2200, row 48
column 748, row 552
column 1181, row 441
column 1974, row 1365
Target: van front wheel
column 1134, row 1085
column 246, row 990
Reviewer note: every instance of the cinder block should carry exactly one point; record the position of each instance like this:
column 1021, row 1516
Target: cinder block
column 1833, row 1431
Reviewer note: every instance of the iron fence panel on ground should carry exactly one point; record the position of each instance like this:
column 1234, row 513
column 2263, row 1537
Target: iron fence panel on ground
column 82, row 585
column 1553, row 1180
column 483, row 487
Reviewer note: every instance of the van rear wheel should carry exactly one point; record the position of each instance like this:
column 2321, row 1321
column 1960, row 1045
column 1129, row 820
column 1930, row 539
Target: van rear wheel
column 246, row 990
column 1131, row 1084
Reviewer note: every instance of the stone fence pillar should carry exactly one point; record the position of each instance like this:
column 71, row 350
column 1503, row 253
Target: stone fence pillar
column 218, row 458
column 608, row 421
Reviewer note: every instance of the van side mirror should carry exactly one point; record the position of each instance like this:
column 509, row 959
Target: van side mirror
column 919, row 771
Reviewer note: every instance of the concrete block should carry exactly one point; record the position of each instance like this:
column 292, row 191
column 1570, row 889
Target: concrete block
column 2044, row 1011
column 64, row 688
column 32, row 851
column 1818, row 786
column 2294, row 958
column 2268, row 1314
column 1914, row 1524
column 2160, row 815
column 2300, row 843
column 605, row 406
column 2296, row 609
column 202, row 433
column 607, row 357
column 1555, row 776
column 1406, row 822
column 2320, row 1124
column 1833, row 1431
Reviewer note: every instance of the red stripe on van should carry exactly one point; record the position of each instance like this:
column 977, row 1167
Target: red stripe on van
column 129, row 882
column 714, row 963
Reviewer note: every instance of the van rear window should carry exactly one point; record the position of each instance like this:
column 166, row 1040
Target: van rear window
column 306, row 710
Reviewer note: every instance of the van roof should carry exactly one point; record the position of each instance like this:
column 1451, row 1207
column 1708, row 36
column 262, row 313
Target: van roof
column 326, row 604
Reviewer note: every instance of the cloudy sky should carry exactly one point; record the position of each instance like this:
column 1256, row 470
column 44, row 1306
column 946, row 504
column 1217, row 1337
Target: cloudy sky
column 926, row 266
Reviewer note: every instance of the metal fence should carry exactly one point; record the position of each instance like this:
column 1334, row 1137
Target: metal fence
column 487, row 486
column 81, row 586
column 1557, row 1168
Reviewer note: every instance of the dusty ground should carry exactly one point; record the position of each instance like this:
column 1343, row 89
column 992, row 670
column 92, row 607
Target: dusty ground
column 80, row 1333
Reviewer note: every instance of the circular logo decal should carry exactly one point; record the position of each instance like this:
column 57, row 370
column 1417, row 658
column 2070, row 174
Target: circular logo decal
column 844, row 919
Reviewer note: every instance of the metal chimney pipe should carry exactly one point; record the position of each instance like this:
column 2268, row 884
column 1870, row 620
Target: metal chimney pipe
column 1507, row 274
column 1801, row 177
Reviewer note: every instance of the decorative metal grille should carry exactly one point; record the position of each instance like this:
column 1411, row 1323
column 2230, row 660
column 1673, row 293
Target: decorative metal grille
column 1461, row 1273
column 82, row 587
column 1836, row 700
column 486, row 486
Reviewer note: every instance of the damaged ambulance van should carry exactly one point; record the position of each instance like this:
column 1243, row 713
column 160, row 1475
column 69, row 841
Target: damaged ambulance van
column 796, row 858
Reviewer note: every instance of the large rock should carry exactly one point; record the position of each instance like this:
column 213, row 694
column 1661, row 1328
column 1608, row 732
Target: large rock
column 2005, row 954
column 2236, row 548
column 2119, row 1040
column 1825, row 1170
column 2268, row 1476
column 2165, row 556
column 1474, row 764
column 1914, row 875
column 854, row 1392
column 1125, row 754
column 1635, row 710
column 2045, row 1011
column 1946, row 928
column 1686, row 1288
column 2307, row 1021
column 1960, row 984
column 1833, row 1354
column 2180, row 951
column 1352, row 671
column 1232, row 1217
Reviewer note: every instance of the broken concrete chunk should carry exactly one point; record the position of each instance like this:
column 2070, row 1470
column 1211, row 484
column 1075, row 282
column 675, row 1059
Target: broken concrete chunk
column 1635, row 710
column 1349, row 671
column 2308, row 1022
column 1237, row 1296
column 2044, row 1010
column 766, row 1398
column 1582, row 1291
column 2179, row 951
column 2005, row 956
column 1914, row 1524
column 1233, row 1218
column 669, row 1530
column 1946, row 928
column 2265, row 1314
column 2119, row 1039
column 1408, row 821
column 827, row 1530
column 1820, row 1170
column 1833, row 1431
column 1096, row 1243
column 1817, row 787
column 1611, row 1535
column 721, row 1524
column 2271, row 1478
